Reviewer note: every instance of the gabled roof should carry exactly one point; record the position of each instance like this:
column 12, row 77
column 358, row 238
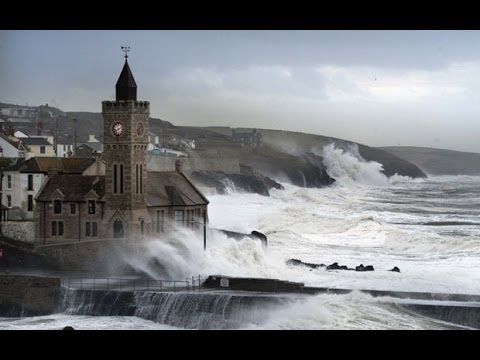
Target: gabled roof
column 167, row 188
column 94, row 146
column 73, row 187
column 44, row 164
column 17, row 144
column 33, row 131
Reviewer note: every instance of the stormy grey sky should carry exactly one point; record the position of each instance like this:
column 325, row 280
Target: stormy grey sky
column 417, row 88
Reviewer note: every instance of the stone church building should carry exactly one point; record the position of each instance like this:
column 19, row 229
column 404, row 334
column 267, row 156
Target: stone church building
column 129, row 202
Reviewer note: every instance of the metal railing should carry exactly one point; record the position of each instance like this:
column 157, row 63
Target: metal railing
column 131, row 284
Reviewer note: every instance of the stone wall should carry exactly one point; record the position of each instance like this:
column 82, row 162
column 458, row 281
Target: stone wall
column 19, row 230
column 22, row 295
column 96, row 255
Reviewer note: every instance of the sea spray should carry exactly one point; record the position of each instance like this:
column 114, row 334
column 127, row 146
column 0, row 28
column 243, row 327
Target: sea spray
column 350, row 169
column 181, row 255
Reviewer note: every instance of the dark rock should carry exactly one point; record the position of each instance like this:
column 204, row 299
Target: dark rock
column 333, row 266
column 369, row 268
column 252, row 183
column 259, row 235
column 255, row 235
column 360, row 268
column 68, row 328
column 297, row 262
column 395, row 269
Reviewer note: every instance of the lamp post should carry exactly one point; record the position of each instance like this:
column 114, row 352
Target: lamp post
column 204, row 230
column 74, row 137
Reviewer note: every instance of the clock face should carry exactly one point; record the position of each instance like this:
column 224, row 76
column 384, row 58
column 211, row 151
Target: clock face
column 140, row 129
column 118, row 129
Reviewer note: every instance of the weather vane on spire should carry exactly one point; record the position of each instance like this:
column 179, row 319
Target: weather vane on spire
column 126, row 49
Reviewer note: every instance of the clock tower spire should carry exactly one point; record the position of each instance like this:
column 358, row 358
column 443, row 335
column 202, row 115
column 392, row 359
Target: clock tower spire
column 125, row 147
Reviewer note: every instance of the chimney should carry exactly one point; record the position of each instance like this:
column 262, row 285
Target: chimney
column 11, row 131
column 178, row 166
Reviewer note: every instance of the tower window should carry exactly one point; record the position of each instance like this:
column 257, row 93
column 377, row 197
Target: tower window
column 136, row 178
column 121, row 178
column 115, row 178
column 72, row 208
column 141, row 179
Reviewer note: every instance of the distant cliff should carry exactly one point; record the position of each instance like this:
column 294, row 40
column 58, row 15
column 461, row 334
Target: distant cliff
column 296, row 143
column 438, row 161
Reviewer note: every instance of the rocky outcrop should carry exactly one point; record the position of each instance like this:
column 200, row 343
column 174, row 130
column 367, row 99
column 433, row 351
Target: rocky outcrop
column 439, row 161
column 297, row 262
column 246, row 182
column 255, row 235
column 334, row 266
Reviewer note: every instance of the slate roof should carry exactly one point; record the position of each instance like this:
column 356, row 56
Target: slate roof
column 126, row 87
column 44, row 164
column 94, row 146
column 163, row 189
column 168, row 188
column 73, row 187
column 35, row 141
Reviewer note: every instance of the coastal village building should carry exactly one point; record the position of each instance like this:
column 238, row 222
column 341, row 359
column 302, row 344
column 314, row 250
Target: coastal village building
column 38, row 146
column 22, row 181
column 11, row 147
column 27, row 112
column 128, row 202
column 64, row 149
column 247, row 138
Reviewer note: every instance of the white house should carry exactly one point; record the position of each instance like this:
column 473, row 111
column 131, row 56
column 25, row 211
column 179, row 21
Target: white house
column 153, row 141
column 11, row 147
column 27, row 112
column 64, row 150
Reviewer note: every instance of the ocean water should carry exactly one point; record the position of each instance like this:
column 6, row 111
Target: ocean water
column 428, row 228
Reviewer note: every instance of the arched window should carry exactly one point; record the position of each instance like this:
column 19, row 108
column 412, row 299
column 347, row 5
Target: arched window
column 118, row 229
column 121, row 178
column 115, row 178
column 141, row 179
column 136, row 178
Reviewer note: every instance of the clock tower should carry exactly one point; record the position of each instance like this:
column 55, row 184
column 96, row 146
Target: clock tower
column 125, row 134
